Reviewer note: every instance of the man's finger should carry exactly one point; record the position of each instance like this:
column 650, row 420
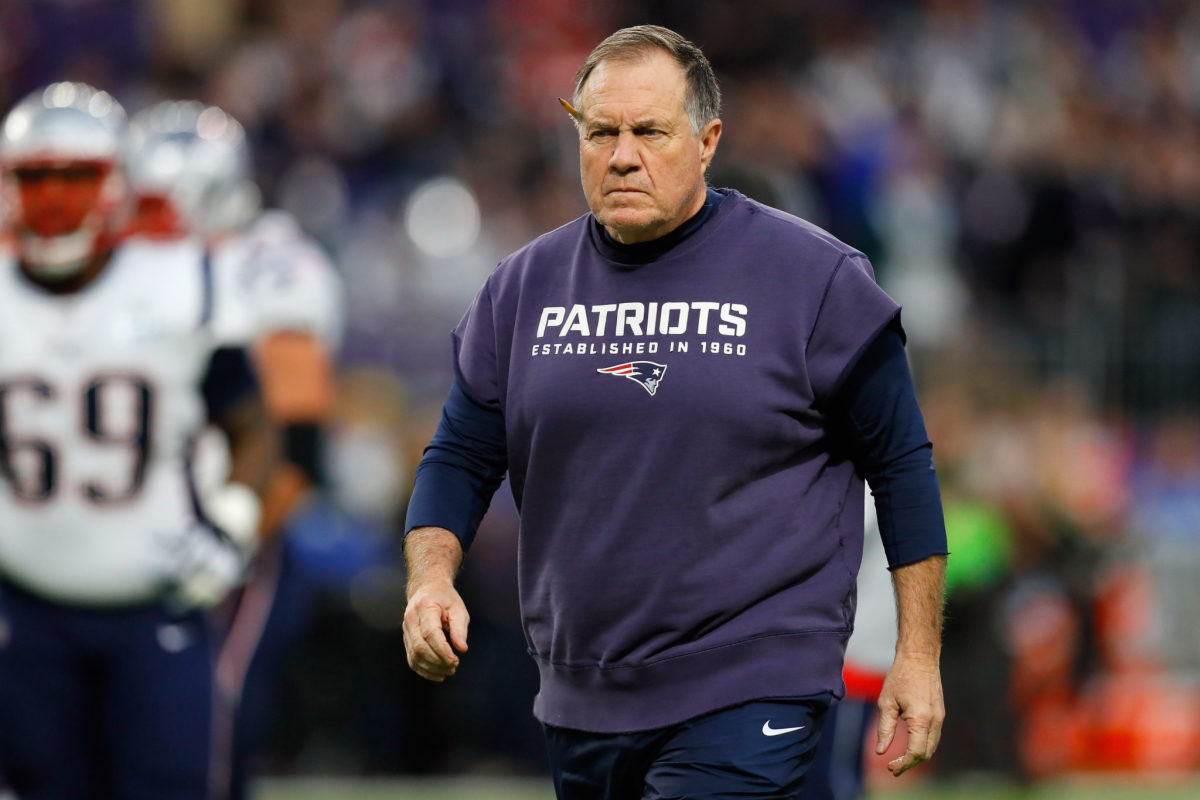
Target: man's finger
column 903, row 764
column 885, row 731
column 931, row 744
column 432, row 634
column 935, row 738
column 435, row 673
column 918, row 738
column 915, row 752
column 416, row 650
column 457, row 629
column 426, row 664
column 408, row 650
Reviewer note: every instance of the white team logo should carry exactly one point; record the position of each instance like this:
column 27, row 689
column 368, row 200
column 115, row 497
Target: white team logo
column 769, row 731
column 646, row 373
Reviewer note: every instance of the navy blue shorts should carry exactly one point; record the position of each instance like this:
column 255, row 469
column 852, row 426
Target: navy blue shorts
column 837, row 772
column 761, row 749
column 103, row 703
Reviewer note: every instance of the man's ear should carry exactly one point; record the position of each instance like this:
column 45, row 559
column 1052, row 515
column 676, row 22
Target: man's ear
column 709, row 137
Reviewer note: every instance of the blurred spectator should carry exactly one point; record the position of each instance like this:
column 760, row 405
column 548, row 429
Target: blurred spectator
column 1164, row 521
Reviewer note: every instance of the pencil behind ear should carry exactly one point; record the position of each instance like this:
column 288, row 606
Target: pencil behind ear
column 570, row 109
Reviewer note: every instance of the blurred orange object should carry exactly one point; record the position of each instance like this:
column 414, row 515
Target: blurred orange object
column 1141, row 723
column 1055, row 738
column 1123, row 610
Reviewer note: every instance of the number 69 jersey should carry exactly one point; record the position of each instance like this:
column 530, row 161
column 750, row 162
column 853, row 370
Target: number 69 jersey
column 100, row 397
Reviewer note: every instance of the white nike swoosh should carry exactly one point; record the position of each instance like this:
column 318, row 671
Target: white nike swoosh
column 769, row 731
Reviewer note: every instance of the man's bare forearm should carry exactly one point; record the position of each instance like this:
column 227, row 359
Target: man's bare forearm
column 431, row 554
column 920, row 597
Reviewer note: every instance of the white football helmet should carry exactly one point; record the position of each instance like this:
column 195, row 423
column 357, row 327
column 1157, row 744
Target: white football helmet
column 189, row 165
column 65, row 193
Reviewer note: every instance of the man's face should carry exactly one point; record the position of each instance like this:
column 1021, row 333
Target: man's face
column 55, row 199
column 641, row 164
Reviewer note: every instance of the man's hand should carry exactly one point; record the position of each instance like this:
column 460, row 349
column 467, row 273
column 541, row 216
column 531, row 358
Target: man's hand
column 436, row 619
column 912, row 691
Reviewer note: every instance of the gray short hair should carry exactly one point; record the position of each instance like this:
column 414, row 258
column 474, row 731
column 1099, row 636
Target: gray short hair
column 702, row 97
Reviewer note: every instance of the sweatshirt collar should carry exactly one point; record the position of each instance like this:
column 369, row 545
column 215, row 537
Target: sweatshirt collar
column 645, row 252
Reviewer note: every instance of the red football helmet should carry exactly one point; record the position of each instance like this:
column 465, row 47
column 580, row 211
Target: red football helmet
column 60, row 151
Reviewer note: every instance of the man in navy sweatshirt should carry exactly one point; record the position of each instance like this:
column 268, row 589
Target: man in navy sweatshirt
column 687, row 389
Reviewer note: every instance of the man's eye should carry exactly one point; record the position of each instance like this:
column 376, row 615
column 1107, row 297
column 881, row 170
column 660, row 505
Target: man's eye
column 72, row 173
column 30, row 174
column 600, row 135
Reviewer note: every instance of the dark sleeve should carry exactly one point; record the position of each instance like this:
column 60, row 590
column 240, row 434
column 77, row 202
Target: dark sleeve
column 229, row 380
column 880, row 424
column 461, row 469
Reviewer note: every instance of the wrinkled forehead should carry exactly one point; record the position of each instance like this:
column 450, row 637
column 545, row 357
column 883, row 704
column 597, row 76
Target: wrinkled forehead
column 650, row 79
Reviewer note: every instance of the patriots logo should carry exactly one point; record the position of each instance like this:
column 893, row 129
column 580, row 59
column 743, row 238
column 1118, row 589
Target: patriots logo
column 646, row 373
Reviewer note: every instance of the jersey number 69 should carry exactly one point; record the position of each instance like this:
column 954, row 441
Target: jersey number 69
column 32, row 465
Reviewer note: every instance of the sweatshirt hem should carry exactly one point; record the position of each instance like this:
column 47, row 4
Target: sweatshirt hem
column 622, row 699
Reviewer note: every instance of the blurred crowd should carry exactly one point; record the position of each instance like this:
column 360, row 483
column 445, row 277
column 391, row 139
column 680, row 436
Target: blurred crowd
column 1024, row 175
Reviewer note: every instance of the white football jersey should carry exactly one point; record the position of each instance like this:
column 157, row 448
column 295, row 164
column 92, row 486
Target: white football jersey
column 277, row 279
column 283, row 280
column 100, row 398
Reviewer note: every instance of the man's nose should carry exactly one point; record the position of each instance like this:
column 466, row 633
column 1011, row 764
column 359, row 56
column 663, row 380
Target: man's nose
column 626, row 156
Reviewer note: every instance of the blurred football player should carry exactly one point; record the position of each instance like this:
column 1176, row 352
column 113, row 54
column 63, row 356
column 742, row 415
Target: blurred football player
column 111, row 362
column 190, row 171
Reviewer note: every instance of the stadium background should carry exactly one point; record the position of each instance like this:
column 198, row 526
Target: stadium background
column 1025, row 177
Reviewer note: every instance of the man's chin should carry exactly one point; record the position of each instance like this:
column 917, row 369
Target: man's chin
column 626, row 223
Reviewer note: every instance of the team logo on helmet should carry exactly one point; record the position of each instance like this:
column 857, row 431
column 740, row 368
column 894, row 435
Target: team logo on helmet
column 646, row 373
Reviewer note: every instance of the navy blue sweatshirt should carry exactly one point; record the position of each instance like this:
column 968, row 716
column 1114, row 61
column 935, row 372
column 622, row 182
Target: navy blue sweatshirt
column 686, row 435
